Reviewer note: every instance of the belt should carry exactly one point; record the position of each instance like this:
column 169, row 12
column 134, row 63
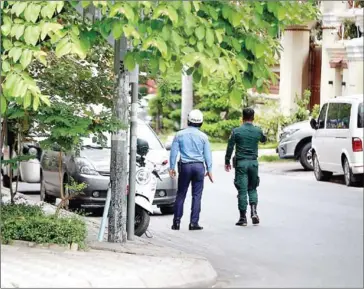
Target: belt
column 191, row 163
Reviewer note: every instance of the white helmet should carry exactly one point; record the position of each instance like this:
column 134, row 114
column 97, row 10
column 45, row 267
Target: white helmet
column 195, row 116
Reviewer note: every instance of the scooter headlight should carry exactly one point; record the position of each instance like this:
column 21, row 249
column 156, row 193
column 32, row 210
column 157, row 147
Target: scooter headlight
column 143, row 177
column 33, row 151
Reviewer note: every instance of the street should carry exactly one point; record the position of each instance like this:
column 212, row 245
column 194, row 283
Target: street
column 311, row 233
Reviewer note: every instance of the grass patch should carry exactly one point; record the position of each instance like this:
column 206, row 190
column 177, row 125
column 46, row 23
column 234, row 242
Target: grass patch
column 29, row 223
column 272, row 158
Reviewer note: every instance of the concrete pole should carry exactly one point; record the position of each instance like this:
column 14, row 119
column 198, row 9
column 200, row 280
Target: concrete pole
column 119, row 149
column 187, row 98
column 134, row 80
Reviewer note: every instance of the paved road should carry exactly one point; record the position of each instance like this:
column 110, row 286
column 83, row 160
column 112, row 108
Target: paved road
column 311, row 234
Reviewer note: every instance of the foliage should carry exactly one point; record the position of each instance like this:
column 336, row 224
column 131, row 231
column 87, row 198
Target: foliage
column 29, row 223
column 315, row 111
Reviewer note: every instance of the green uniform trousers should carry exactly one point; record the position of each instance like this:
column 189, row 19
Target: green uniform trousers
column 246, row 182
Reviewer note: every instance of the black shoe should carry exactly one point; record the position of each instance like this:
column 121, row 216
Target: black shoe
column 254, row 214
column 175, row 226
column 195, row 227
column 242, row 220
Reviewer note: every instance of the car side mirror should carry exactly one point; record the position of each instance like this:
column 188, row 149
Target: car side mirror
column 313, row 123
column 168, row 146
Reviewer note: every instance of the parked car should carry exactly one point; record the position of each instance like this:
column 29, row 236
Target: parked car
column 92, row 167
column 29, row 171
column 295, row 143
column 337, row 143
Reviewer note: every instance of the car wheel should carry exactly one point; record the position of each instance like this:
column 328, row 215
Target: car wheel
column 320, row 175
column 348, row 174
column 44, row 197
column 142, row 220
column 306, row 157
column 167, row 210
column 6, row 181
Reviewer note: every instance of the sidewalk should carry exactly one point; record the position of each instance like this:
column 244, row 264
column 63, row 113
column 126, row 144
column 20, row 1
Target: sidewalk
column 37, row 268
column 136, row 264
column 219, row 156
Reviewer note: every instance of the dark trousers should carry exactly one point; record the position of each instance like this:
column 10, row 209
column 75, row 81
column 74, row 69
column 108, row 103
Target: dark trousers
column 189, row 173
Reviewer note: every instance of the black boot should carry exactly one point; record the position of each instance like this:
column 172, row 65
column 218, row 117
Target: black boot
column 254, row 214
column 242, row 220
column 195, row 227
column 175, row 226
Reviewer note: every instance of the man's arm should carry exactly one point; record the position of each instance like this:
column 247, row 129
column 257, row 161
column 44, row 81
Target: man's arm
column 230, row 148
column 207, row 155
column 174, row 153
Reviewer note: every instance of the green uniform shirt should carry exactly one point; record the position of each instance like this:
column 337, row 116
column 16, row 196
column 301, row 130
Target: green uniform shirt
column 246, row 139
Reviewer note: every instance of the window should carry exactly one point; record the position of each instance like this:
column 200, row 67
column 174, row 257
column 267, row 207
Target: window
column 321, row 119
column 338, row 116
column 146, row 133
column 361, row 116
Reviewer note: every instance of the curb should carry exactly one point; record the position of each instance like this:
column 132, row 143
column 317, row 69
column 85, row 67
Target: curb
column 48, row 246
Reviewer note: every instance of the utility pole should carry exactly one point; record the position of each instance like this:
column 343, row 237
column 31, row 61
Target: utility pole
column 187, row 98
column 134, row 80
column 119, row 149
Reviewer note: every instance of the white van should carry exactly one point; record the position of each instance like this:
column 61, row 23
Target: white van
column 337, row 143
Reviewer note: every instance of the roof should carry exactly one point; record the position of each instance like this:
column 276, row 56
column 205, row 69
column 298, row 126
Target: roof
column 348, row 98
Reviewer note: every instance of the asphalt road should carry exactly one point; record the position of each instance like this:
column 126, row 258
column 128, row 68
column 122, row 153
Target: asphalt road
column 311, row 233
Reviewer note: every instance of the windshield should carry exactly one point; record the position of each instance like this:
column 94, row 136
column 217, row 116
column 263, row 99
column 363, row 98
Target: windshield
column 361, row 116
column 143, row 132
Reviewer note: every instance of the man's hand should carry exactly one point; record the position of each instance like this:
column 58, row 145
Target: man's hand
column 172, row 173
column 228, row 168
column 209, row 174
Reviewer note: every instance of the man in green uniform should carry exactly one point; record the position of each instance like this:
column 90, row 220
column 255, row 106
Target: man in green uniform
column 246, row 139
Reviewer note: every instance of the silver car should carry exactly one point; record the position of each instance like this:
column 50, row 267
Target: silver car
column 295, row 143
column 92, row 167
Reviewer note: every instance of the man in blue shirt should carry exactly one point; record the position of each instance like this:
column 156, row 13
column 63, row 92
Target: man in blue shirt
column 194, row 148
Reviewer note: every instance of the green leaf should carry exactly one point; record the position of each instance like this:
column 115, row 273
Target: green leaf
column 26, row 58
column 226, row 11
column 15, row 53
column 281, row 13
column 219, row 34
column 19, row 31
column 7, row 44
column 31, row 35
column 200, row 33
column 162, row 65
column 196, row 76
column 3, row 104
column 162, row 46
column 6, row 26
column 60, row 5
column 41, row 56
column 130, row 30
column 49, row 27
column 18, row 8
column 49, row 9
column 31, row 12
column 213, row 13
column 172, row 14
column 196, row 5
column 36, row 102
column 259, row 50
column 27, row 100
column 129, row 61
column 210, row 37
column 10, row 82
column 177, row 39
column 235, row 98
column 187, row 6
column 259, row 82
column 200, row 46
column 117, row 29
column 64, row 47
column 45, row 99
column 259, row 7
column 190, row 21
column 177, row 66
column 5, row 66
column 235, row 43
column 236, row 18
column 192, row 40
column 79, row 49
column 85, row 4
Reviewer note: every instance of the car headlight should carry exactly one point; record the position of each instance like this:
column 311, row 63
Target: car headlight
column 288, row 133
column 33, row 151
column 143, row 177
column 86, row 170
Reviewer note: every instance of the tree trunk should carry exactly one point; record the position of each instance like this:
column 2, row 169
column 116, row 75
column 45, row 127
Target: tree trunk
column 119, row 152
